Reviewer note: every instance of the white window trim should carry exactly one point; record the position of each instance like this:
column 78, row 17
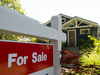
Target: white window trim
column 75, row 36
column 85, row 29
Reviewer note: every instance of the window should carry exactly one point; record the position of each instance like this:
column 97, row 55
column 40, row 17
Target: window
column 85, row 31
column 63, row 20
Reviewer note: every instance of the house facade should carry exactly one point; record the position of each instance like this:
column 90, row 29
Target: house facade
column 76, row 28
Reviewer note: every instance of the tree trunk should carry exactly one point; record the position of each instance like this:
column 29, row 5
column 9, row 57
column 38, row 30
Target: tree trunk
column 1, row 35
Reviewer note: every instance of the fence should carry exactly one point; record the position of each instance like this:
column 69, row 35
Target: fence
column 15, row 23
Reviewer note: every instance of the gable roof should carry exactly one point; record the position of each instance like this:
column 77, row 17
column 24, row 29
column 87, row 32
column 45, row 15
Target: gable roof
column 68, row 21
column 62, row 16
column 65, row 16
column 80, row 20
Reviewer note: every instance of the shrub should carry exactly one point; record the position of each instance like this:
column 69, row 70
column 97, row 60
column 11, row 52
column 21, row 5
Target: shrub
column 77, row 66
column 96, row 44
column 69, row 57
column 85, row 44
column 63, row 44
column 85, row 63
column 92, row 57
column 36, row 40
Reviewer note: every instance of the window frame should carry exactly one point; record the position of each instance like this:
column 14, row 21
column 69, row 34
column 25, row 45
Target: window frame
column 85, row 29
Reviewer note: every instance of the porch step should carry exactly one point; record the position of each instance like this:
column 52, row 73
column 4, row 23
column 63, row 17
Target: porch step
column 75, row 49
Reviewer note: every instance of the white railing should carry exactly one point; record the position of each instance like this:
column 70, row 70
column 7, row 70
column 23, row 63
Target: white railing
column 15, row 23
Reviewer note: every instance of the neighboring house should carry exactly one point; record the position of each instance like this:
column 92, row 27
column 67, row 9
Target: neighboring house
column 76, row 28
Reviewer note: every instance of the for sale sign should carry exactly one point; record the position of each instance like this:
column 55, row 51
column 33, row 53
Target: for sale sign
column 17, row 58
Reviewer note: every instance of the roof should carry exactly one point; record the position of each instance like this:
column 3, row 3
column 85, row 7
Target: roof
column 86, row 19
column 66, row 16
column 61, row 15
column 71, row 18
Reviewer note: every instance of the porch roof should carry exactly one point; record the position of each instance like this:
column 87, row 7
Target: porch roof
column 73, row 22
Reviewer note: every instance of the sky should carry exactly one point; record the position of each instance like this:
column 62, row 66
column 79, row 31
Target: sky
column 43, row 10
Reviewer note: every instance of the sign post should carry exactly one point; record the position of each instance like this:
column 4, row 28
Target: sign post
column 56, row 24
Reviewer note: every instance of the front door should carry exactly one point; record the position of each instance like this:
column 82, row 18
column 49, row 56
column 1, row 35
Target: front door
column 71, row 38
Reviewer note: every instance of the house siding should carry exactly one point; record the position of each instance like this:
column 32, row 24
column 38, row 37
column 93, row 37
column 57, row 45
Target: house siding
column 82, row 36
column 78, row 35
column 67, row 19
column 64, row 31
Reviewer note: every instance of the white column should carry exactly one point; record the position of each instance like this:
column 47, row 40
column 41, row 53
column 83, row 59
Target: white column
column 56, row 23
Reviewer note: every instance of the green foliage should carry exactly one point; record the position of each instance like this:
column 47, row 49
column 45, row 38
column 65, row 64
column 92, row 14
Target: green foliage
column 13, row 5
column 16, row 6
column 81, row 42
column 24, row 41
column 10, row 37
column 77, row 67
column 63, row 44
column 96, row 44
column 35, row 40
column 85, row 44
column 85, row 31
column 89, row 63
column 92, row 57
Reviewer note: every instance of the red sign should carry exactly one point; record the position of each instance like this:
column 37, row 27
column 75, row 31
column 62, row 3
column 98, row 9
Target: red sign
column 17, row 58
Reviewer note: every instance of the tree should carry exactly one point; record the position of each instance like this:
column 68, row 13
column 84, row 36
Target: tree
column 16, row 6
column 13, row 5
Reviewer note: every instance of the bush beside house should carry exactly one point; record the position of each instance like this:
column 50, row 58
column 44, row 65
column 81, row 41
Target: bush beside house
column 87, row 61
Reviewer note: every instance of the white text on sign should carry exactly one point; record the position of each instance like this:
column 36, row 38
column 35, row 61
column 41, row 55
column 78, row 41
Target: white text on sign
column 22, row 60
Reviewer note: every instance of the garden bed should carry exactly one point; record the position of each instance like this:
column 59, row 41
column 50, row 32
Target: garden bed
column 85, row 62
